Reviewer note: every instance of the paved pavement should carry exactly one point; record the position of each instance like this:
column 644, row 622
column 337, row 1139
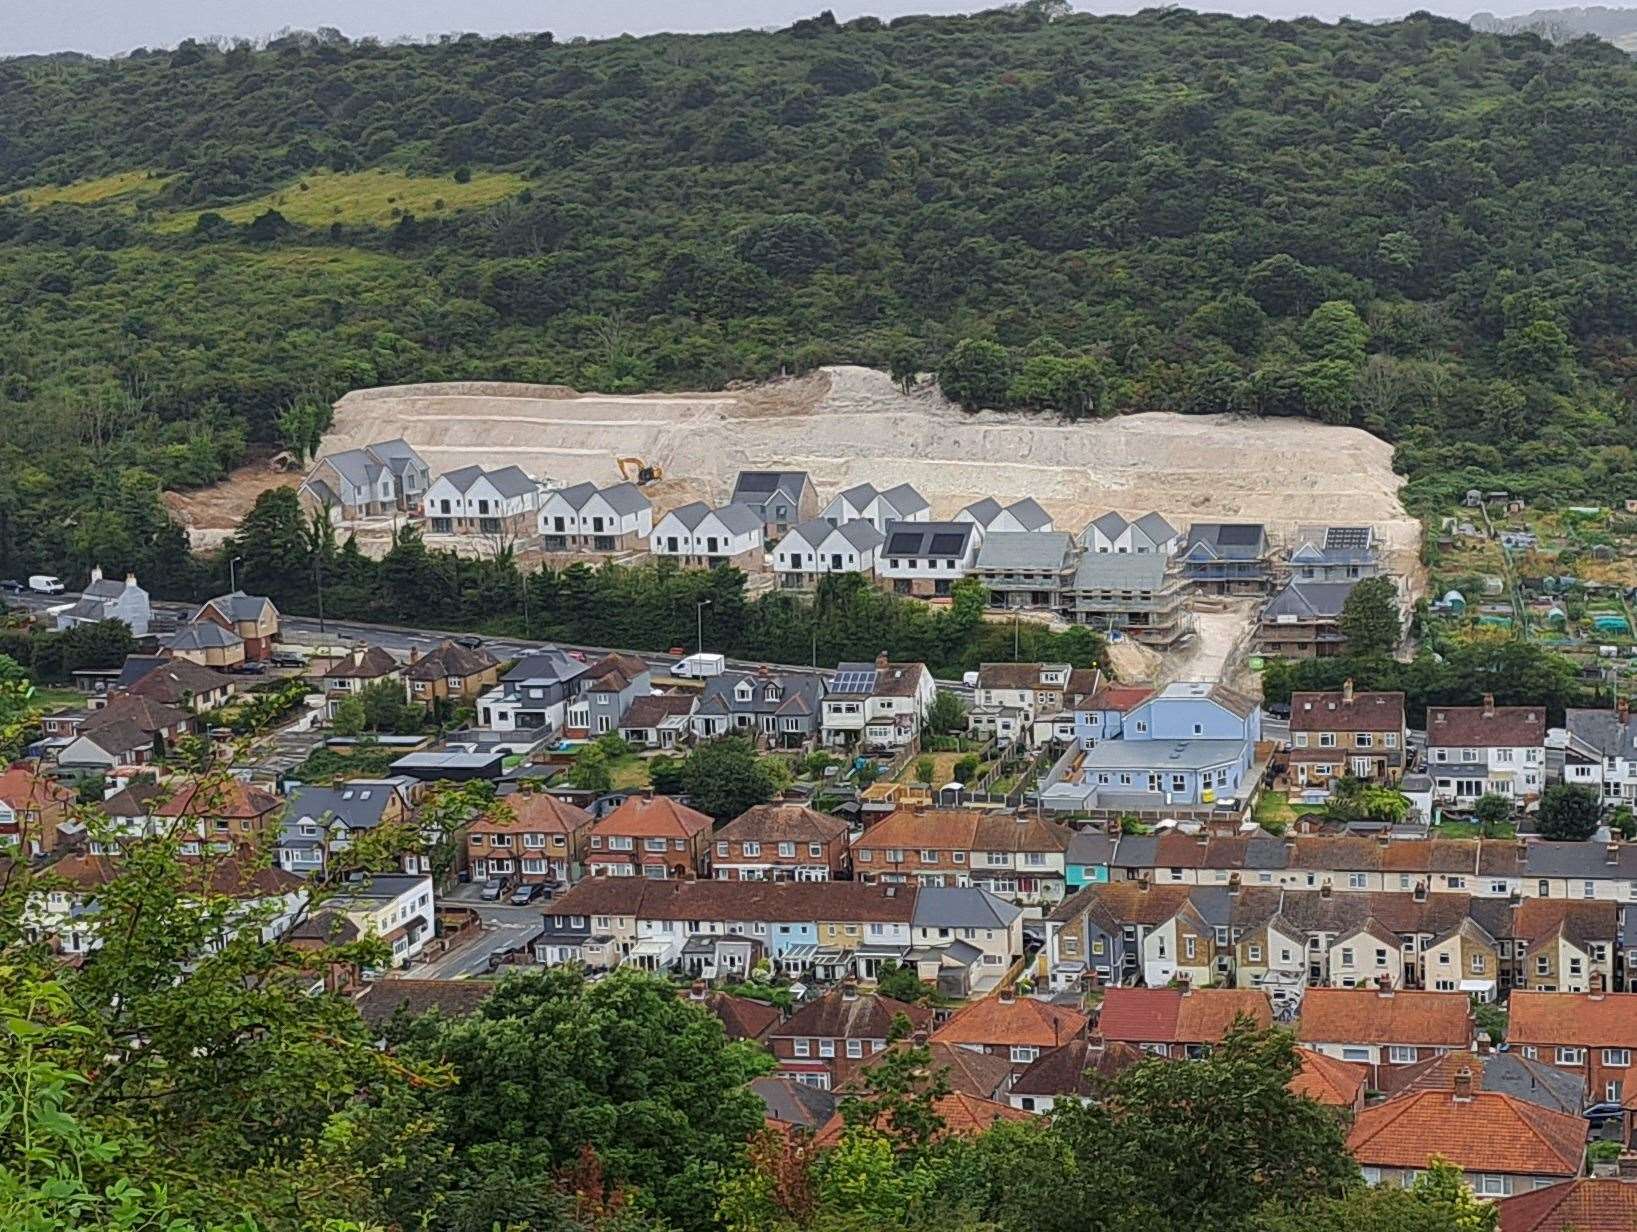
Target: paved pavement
column 504, row 927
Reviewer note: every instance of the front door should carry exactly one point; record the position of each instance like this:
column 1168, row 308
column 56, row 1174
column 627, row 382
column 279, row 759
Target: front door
column 1363, row 767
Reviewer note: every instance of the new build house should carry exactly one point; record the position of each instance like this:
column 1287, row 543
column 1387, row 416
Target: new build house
column 1335, row 554
column 384, row 478
column 1303, row 621
column 779, row 499
column 503, row 503
column 817, row 547
column 1137, row 594
column 865, row 503
column 586, row 518
column 1228, row 558
column 697, row 536
column 1474, row 751
column 926, row 558
column 534, row 695
column 1149, row 535
column 1025, row 568
column 1020, row 516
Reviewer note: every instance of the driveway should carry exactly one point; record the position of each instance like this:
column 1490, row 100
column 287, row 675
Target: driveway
column 504, row 927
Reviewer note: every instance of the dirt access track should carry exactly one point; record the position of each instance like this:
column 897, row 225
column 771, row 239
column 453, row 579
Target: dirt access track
column 850, row 425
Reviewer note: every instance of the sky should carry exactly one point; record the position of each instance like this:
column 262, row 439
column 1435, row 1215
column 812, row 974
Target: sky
column 108, row 27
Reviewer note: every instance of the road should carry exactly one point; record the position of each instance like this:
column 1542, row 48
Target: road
column 504, row 927
column 306, row 631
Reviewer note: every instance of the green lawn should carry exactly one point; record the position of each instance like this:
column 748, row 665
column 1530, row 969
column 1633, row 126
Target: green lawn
column 53, row 700
column 376, row 197
column 1471, row 829
column 94, row 192
column 630, row 772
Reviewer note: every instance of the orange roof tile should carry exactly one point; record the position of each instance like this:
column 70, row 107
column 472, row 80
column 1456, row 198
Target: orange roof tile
column 1004, row 1021
column 1590, row 1204
column 20, row 787
column 1483, row 1132
column 1577, row 1019
column 1367, row 1016
column 1326, row 1080
column 534, row 812
column 653, row 817
column 1175, row 1015
column 228, row 797
column 963, row 1115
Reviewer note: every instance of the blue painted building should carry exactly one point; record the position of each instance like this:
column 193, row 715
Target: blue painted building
column 1087, row 859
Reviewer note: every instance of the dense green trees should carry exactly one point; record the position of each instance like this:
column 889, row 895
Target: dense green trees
column 1570, row 811
column 1369, row 618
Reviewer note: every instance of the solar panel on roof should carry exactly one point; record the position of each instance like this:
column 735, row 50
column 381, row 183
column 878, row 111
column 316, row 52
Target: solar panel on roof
column 904, row 543
column 1238, row 536
column 1347, row 537
column 946, row 545
column 854, row 682
column 758, row 481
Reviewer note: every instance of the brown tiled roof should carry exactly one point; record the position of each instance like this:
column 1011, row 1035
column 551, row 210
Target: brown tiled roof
column 603, row 896
column 1008, row 675
column 177, row 679
column 654, row 709
column 653, row 817
column 450, row 660
column 1439, row 855
column 1484, row 1132
column 1367, row 1016
column 1368, row 712
column 1004, row 1021
column 963, row 830
column 534, row 812
column 1474, row 727
column 1126, row 902
column 371, row 665
column 613, row 673
column 146, row 714
column 1582, row 921
column 221, row 797
column 22, row 788
column 836, row 1015
column 84, row 872
column 1326, row 1080
column 976, row 1073
column 1117, row 697
column 233, row 878
column 1069, row 1070
column 1347, row 853
column 964, row 1116
column 742, row 1017
column 330, row 927
column 451, row 998
column 770, row 823
column 1179, row 1016
column 135, row 799
column 1574, row 1019
column 1587, row 1204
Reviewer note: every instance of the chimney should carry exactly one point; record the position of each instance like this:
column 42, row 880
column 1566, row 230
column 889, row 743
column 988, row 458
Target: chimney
column 1598, row 985
column 696, row 992
column 1628, row 1165
column 1234, row 884
column 1203, row 838
column 1384, row 985
column 1421, row 891
column 1438, row 717
column 1611, row 854
column 1489, row 705
column 1384, row 839
column 1347, row 692
column 1143, row 884
column 414, row 656
column 1463, row 1085
column 764, row 671
column 1523, row 849
column 358, row 655
column 919, row 1038
column 881, row 661
column 1485, row 1046
column 1324, row 890
column 1007, row 995
column 130, row 579
column 96, row 573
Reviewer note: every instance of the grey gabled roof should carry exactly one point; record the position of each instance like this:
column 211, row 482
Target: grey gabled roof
column 691, row 514
column 1111, row 525
column 1090, row 847
column 905, row 500
column 739, row 519
column 859, row 495
column 205, row 636
column 1037, row 549
column 1228, row 540
column 462, row 477
column 861, row 534
column 962, row 907
column 356, row 466
column 1309, row 600
column 1029, row 513
column 798, row 694
column 550, row 665
column 812, row 532
column 576, row 495
column 755, row 487
column 323, row 491
column 983, row 511
column 238, row 606
column 1602, row 732
column 625, row 498
column 1119, row 571
column 397, row 455
column 512, row 481
column 358, row 806
column 1155, row 528
column 1579, row 860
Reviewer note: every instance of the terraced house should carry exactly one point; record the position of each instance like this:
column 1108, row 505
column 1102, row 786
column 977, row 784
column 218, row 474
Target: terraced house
column 1342, row 733
column 449, row 673
column 829, row 1039
column 1019, row 858
column 1593, row 1034
column 1182, row 1022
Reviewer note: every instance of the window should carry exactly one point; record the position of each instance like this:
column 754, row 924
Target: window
column 1617, row 1056
column 1356, row 1054
column 1490, row 1186
column 721, row 849
column 864, row 855
column 1347, row 958
column 653, row 844
column 753, row 849
column 815, row 850
column 1612, row 1089
column 929, row 857
column 1022, row 1054
column 1253, row 953
column 827, row 1048
column 1355, row 881
column 958, row 856
column 1189, row 946
column 799, row 1047
column 1571, row 1056
column 1543, row 965
column 1399, row 1054
column 855, row 1049
column 1588, row 889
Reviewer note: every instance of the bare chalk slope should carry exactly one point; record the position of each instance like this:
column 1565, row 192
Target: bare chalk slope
column 849, row 425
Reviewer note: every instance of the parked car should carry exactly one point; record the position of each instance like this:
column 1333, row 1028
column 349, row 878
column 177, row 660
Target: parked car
column 12, row 586
column 524, row 894
column 468, row 641
column 250, row 667
column 493, row 888
column 287, row 658
column 45, row 584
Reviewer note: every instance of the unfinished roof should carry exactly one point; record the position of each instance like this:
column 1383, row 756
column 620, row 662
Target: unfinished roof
column 1046, row 549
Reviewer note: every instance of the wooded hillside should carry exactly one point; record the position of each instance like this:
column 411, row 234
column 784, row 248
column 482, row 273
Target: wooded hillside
column 1410, row 227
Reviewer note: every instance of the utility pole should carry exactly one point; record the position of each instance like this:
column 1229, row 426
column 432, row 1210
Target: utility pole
column 699, row 618
column 318, row 582
column 233, row 574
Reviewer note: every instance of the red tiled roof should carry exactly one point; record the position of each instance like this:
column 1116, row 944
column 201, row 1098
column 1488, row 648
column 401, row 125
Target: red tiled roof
column 1370, row 712
column 963, row 1115
column 1475, row 727
column 1004, row 1021
column 534, row 812
column 1575, row 1019
column 1366, row 1016
column 742, row 1017
column 769, row 823
column 976, row 1073
column 1120, row 697
column 837, row 1015
column 21, row 788
column 226, row 797
column 1589, row 1204
column 1175, row 1015
column 653, row 817
column 1483, row 1132
column 1326, row 1080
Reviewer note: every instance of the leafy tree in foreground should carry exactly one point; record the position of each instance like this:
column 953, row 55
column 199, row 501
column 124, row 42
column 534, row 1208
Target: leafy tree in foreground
column 1570, row 811
column 725, row 777
column 1369, row 618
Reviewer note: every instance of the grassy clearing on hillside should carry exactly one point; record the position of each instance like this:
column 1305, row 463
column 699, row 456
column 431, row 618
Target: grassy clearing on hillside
column 377, row 197
column 95, row 192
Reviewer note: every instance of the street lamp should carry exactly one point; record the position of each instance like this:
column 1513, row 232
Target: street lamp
column 699, row 619
column 232, row 574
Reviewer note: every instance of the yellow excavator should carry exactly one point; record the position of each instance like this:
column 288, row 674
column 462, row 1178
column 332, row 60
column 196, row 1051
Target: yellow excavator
column 638, row 470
